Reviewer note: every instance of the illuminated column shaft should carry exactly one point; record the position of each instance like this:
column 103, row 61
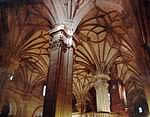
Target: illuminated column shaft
column 147, row 94
column 102, row 96
column 58, row 101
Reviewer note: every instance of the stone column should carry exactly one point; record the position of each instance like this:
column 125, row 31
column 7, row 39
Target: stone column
column 118, row 97
column 102, row 95
column 58, row 98
column 147, row 94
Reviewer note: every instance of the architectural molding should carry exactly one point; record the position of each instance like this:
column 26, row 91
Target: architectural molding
column 62, row 37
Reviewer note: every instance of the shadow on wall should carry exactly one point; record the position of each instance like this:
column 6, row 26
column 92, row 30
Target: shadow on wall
column 5, row 110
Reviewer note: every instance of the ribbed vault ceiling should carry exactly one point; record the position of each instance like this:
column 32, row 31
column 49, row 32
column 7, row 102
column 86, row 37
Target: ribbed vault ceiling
column 103, row 47
column 102, row 43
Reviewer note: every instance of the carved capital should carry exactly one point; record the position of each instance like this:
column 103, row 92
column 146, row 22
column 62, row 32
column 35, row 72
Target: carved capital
column 102, row 81
column 61, row 38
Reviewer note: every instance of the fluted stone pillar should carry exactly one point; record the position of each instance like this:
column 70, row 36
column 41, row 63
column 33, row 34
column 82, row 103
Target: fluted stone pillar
column 58, row 99
column 102, row 95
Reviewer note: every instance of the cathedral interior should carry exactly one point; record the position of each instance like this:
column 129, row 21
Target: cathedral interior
column 74, row 58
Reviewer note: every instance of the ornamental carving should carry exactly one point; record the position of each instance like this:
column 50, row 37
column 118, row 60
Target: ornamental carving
column 61, row 38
